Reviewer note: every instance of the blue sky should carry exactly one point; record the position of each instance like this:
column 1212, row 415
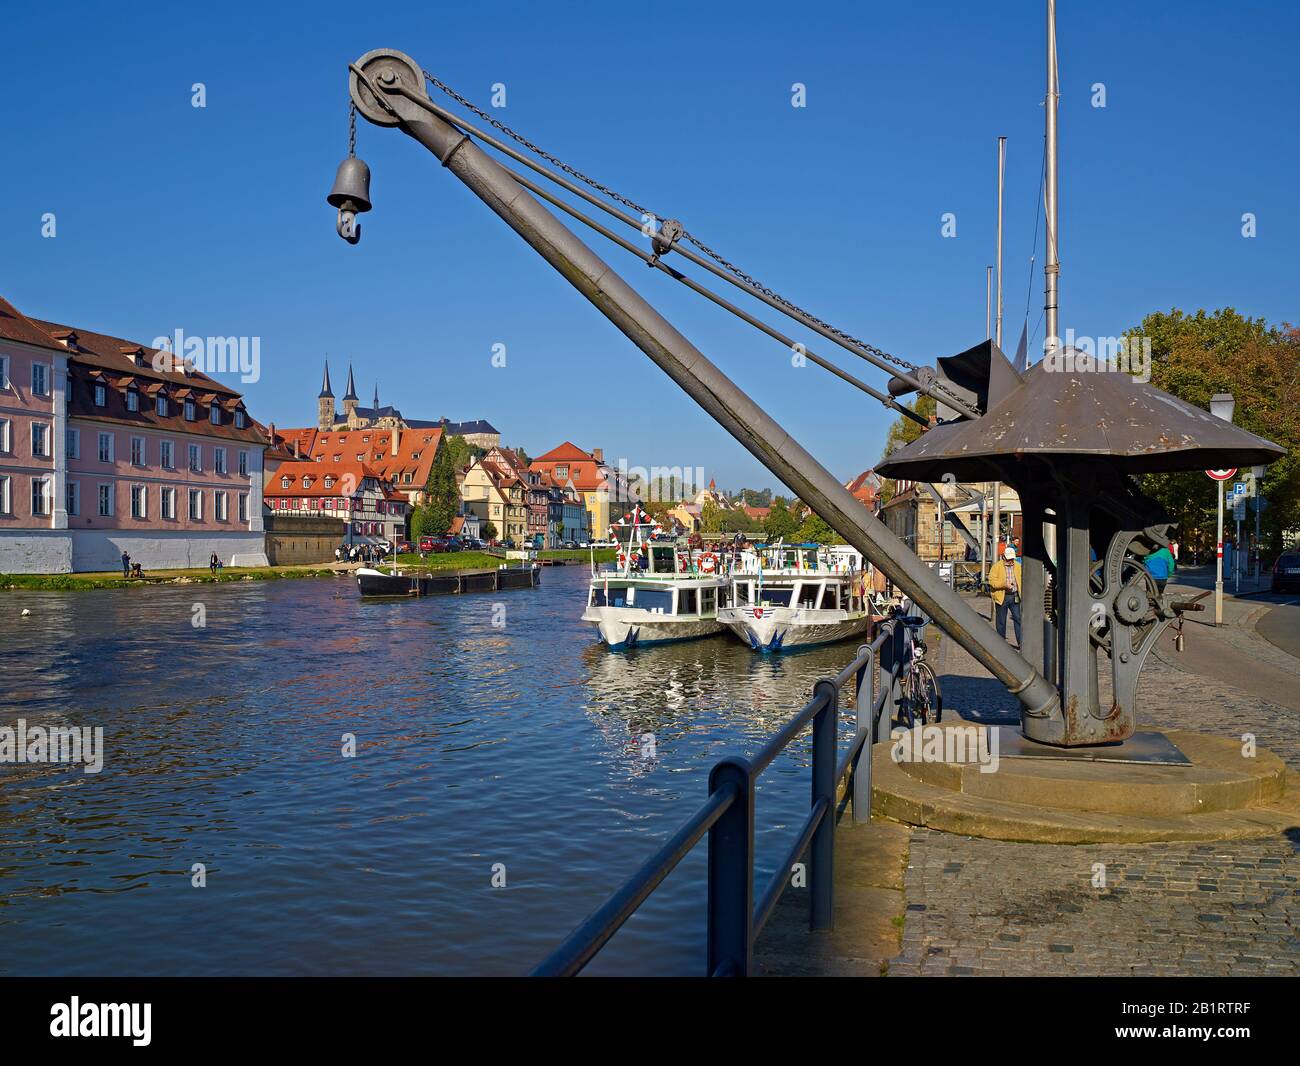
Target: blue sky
column 213, row 220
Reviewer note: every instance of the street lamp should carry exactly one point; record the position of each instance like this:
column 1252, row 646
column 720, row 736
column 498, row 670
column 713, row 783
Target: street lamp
column 1221, row 406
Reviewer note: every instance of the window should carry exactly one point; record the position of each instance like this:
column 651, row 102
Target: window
column 6, row 435
column 214, row 413
column 4, row 371
column 6, row 502
column 329, row 482
column 132, row 399
column 160, row 405
column 40, row 379
column 306, row 481
column 105, row 501
column 221, row 507
column 106, row 447
column 74, row 497
column 196, row 458
column 74, row 444
column 137, row 451
column 40, row 439
column 167, row 497
column 562, row 471
column 165, row 456
column 284, row 482
column 196, row 505
column 243, row 507
column 241, row 418
column 191, row 412
column 139, row 502
column 830, row 598
column 41, row 495
column 101, row 395
column 219, row 460
column 686, row 601
column 243, row 464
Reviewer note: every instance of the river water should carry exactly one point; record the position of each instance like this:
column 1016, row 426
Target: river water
column 495, row 742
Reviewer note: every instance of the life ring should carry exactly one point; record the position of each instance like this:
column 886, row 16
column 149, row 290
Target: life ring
column 708, row 562
column 622, row 559
column 683, row 564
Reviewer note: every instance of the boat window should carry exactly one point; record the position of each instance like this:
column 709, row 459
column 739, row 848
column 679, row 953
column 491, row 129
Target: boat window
column 663, row 560
column 830, row 601
column 686, row 601
column 775, row 597
column 808, row 595
column 660, row 600
column 742, row 592
column 611, row 597
column 706, row 601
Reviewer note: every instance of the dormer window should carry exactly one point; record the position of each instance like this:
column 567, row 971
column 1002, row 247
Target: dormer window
column 191, row 411
column 329, row 482
column 241, row 418
column 284, row 482
column 101, row 396
column 214, row 413
column 160, row 405
column 306, row 482
column 132, row 399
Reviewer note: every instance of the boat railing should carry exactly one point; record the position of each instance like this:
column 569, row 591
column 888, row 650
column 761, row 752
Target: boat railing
column 726, row 817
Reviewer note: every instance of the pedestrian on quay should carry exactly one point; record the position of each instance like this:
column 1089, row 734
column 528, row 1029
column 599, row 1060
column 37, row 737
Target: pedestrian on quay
column 212, row 564
column 338, row 555
column 1005, row 584
column 126, row 564
column 1160, row 565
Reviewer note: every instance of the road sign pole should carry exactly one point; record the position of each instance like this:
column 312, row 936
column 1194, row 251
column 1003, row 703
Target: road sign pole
column 1218, row 565
column 1236, row 560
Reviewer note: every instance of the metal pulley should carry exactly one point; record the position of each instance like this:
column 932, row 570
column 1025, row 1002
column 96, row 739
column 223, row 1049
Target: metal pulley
column 670, row 232
column 351, row 195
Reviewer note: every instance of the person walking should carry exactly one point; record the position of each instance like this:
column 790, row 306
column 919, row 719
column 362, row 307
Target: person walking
column 1160, row 565
column 1005, row 584
column 212, row 563
column 126, row 565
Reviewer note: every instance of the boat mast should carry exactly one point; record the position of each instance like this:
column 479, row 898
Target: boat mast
column 1052, row 265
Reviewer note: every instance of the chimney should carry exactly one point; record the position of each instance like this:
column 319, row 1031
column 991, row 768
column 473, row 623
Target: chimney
column 396, row 434
column 598, row 454
column 271, row 430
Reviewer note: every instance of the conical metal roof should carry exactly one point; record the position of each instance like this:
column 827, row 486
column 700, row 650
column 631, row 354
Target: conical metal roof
column 1081, row 414
column 326, row 393
column 351, row 394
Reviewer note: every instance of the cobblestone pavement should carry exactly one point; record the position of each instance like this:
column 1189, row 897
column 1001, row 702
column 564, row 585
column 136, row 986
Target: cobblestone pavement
column 991, row 907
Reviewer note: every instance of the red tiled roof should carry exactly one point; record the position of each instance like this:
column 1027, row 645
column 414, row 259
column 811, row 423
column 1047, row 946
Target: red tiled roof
column 566, row 451
column 16, row 326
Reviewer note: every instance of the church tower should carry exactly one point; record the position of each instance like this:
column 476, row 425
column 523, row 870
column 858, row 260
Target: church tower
column 325, row 403
column 350, row 401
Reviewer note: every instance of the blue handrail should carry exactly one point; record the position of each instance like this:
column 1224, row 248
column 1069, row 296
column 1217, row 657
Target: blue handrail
column 727, row 819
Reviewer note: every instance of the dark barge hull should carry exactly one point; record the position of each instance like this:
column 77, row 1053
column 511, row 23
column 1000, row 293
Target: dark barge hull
column 446, row 583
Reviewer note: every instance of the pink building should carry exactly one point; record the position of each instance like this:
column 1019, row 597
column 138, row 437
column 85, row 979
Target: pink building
column 102, row 453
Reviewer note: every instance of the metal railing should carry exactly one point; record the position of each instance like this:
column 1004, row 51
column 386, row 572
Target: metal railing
column 727, row 818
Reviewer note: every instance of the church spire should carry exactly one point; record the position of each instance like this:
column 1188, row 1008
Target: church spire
column 351, row 394
column 325, row 391
column 376, row 396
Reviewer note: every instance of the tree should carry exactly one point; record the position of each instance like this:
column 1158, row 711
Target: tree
column 905, row 430
column 489, row 531
column 434, row 514
column 780, row 522
column 711, row 518
column 815, row 529
column 1195, row 356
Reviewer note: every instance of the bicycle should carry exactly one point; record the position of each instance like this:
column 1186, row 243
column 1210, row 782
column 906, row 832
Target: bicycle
column 920, row 699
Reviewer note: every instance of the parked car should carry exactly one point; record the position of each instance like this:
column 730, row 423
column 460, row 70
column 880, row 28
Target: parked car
column 1286, row 572
column 471, row 544
column 571, row 544
column 404, row 547
column 426, row 544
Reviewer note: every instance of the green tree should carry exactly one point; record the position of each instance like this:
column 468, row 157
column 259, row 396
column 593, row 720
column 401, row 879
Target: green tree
column 816, row 529
column 489, row 531
column 905, row 430
column 711, row 518
column 441, row 496
column 1195, row 356
column 780, row 522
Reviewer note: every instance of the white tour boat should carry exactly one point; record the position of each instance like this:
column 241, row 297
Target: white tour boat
column 657, row 590
column 787, row 596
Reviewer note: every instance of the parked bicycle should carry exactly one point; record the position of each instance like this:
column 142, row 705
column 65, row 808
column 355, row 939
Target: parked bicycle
column 920, row 700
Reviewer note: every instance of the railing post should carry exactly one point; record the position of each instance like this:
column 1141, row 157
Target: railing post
column 731, row 872
column 866, row 705
column 889, row 654
column 822, row 852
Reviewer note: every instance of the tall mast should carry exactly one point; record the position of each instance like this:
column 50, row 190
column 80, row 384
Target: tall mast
column 1052, row 265
column 1002, row 167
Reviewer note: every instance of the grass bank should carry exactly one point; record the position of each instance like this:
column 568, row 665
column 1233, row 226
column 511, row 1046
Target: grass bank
column 110, row 579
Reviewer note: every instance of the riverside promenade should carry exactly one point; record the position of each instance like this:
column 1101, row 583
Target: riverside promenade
column 913, row 902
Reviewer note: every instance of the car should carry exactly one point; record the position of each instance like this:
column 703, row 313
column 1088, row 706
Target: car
column 404, row 547
column 1286, row 572
column 571, row 545
column 426, row 544
column 471, row 544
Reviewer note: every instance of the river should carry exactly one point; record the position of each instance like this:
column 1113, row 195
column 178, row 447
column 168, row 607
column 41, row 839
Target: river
column 509, row 774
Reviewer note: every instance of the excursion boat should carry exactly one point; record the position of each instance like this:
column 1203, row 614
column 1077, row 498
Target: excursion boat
column 786, row 596
column 373, row 582
column 657, row 591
